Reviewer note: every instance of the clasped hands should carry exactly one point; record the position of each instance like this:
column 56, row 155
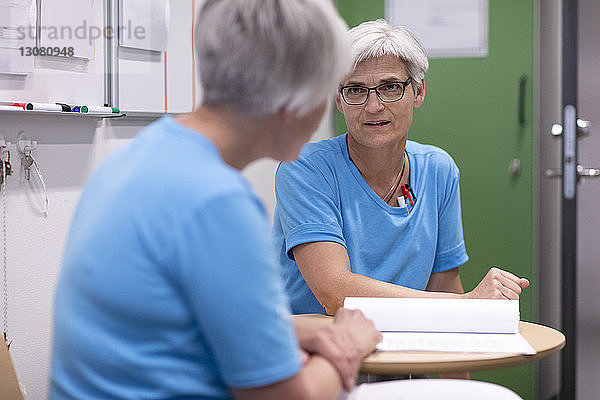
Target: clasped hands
column 344, row 343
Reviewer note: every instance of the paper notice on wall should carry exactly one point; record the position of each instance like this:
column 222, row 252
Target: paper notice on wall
column 144, row 24
column 66, row 24
column 447, row 28
column 17, row 33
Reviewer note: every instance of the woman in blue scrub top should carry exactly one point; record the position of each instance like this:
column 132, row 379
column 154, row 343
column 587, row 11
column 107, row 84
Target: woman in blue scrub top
column 169, row 288
column 371, row 213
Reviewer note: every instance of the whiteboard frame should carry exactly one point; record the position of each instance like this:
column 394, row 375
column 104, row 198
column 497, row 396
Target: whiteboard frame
column 111, row 49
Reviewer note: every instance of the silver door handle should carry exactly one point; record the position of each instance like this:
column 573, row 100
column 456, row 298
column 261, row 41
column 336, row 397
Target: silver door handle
column 553, row 173
column 582, row 172
column 587, row 172
column 583, row 128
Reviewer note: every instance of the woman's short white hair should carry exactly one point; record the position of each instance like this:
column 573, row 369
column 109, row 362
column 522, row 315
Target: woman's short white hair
column 378, row 38
column 258, row 56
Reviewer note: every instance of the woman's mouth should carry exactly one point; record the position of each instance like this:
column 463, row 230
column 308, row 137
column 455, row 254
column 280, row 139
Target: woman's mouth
column 377, row 123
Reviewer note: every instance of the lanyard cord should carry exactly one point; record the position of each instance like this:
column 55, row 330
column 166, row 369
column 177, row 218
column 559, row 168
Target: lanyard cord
column 398, row 179
column 394, row 187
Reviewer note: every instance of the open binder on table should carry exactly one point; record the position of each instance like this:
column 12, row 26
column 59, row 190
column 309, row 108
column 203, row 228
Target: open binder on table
column 455, row 325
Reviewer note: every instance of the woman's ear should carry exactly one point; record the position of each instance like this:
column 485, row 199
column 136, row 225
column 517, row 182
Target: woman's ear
column 338, row 102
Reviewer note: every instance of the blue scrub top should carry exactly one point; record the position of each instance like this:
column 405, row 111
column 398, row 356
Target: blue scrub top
column 323, row 197
column 169, row 287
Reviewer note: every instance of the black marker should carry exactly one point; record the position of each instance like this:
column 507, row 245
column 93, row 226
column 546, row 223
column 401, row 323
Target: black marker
column 65, row 107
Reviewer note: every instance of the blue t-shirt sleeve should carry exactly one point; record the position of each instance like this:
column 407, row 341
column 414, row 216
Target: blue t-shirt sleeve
column 239, row 304
column 307, row 205
column 451, row 251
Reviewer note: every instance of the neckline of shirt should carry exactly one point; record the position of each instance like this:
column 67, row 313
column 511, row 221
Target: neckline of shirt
column 189, row 134
column 363, row 183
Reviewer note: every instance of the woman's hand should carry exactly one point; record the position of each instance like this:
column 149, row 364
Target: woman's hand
column 499, row 284
column 344, row 343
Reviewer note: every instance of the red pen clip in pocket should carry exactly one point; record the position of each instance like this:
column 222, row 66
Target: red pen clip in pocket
column 407, row 195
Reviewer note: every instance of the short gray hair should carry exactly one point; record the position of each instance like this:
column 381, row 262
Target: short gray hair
column 378, row 38
column 261, row 55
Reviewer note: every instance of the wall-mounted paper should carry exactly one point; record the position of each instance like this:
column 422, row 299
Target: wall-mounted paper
column 447, row 28
column 144, row 24
column 17, row 30
column 68, row 23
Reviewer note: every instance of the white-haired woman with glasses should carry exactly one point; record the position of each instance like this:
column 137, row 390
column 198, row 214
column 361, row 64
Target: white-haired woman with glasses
column 371, row 213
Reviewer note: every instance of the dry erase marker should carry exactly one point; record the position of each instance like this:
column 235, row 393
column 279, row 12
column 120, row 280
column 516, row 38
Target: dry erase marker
column 80, row 109
column 10, row 108
column 100, row 110
column 43, row 107
column 65, row 107
column 12, row 104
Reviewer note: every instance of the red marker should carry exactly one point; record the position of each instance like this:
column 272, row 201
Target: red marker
column 20, row 105
column 406, row 194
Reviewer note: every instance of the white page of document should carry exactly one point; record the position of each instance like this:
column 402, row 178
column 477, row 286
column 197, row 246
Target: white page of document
column 439, row 315
column 455, row 342
column 452, row 325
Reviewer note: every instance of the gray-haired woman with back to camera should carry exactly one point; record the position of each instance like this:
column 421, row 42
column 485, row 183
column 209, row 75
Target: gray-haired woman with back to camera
column 168, row 287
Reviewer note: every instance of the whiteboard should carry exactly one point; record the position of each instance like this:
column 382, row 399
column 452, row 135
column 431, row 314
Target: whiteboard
column 162, row 81
column 147, row 81
column 58, row 79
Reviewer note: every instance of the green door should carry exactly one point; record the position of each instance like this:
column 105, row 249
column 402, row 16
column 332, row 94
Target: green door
column 472, row 111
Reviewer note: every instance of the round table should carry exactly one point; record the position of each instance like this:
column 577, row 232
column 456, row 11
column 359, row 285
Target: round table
column 543, row 339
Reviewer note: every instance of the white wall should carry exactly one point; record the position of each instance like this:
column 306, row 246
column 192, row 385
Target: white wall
column 68, row 151
column 261, row 173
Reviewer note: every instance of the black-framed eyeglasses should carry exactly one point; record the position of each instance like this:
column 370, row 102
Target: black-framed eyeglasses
column 388, row 92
